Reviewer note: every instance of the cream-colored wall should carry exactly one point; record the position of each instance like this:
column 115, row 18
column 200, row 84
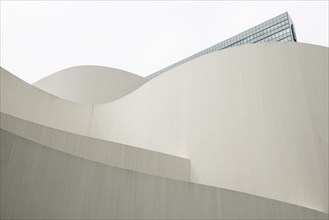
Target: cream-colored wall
column 90, row 84
column 29, row 103
column 38, row 182
column 24, row 101
column 105, row 152
column 251, row 118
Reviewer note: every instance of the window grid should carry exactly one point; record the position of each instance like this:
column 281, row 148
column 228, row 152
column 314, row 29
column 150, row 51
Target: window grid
column 275, row 29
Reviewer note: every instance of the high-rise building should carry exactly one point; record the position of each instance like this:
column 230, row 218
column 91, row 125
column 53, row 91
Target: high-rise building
column 279, row 28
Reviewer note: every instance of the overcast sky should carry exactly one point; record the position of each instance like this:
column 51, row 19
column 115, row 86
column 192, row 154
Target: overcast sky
column 40, row 38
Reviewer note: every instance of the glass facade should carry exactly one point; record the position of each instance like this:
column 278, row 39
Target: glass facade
column 279, row 28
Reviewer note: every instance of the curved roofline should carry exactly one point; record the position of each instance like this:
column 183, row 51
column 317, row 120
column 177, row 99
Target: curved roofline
column 105, row 67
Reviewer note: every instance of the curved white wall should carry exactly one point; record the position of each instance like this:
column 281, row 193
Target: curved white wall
column 251, row 118
column 25, row 101
column 90, row 84
column 104, row 152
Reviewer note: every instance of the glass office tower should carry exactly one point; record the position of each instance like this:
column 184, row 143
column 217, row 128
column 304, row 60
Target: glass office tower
column 279, row 28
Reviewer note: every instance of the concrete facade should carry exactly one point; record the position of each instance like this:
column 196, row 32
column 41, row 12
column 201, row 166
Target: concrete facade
column 38, row 182
column 249, row 120
column 106, row 152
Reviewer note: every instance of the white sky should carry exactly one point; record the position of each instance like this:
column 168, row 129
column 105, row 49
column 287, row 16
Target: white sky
column 40, row 38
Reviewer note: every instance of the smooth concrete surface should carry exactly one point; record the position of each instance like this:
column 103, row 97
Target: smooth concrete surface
column 90, row 84
column 27, row 102
column 38, row 182
column 106, row 152
column 251, row 118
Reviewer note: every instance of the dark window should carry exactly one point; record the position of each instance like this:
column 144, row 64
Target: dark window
column 293, row 33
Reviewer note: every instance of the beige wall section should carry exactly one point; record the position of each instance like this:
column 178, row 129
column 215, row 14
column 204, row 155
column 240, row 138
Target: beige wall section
column 252, row 118
column 38, row 182
column 106, row 152
column 22, row 100
column 90, row 84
